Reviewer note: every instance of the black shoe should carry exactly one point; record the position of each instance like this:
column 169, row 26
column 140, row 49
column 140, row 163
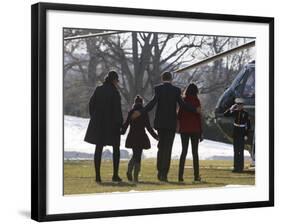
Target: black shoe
column 181, row 179
column 164, row 179
column 197, row 179
column 98, row 179
column 129, row 176
column 159, row 176
column 136, row 179
column 116, row 179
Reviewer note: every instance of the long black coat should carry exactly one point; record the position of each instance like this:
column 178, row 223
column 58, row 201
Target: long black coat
column 106, row 116
column 137, row 137
column 167, row 97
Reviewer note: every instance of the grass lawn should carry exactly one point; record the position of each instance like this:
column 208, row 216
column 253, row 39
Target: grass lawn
column 79, row 176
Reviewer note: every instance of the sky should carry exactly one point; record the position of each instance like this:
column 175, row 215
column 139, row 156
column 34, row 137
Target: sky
column 191, row 56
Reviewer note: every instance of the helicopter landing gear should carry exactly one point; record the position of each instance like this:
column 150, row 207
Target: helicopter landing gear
column 253, row 164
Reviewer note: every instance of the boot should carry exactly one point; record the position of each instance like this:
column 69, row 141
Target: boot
column 97, row 164
column 98, row 178
column 130, row 170
column 181, row 179
column 197, row 178
column 136, row 172
column 116, row 160
column 181, row 170
column 116, row 179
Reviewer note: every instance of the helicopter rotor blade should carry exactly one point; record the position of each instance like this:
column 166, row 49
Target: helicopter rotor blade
column 217, row 56
column 93, row 35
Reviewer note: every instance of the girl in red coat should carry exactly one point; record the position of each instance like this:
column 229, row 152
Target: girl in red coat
column 137, row 138
column 190, row 128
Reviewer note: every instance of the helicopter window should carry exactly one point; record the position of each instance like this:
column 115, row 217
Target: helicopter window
column 249, row 88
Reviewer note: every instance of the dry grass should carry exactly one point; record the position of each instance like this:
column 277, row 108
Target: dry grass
column 79, row 177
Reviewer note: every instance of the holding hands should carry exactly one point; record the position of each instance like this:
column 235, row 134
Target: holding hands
column 157, row 137
column 135, row 114
column 122, row 131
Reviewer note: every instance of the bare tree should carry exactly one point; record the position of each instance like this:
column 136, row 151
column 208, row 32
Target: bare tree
column 140, row 58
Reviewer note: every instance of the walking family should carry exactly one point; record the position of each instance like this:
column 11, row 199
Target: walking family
column 106, row 125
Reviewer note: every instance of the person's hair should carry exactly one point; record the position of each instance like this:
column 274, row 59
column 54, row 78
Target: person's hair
column 191, row 90
column 167, row 76
column 111, row 76
column 138, row 99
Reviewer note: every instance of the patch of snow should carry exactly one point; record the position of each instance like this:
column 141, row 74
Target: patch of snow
column 75, row 129
column 133, row 191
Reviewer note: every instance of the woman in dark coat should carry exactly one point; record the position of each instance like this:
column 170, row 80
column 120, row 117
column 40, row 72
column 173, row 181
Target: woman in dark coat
column 137, row 139
column 190, row 128
column 106, row 122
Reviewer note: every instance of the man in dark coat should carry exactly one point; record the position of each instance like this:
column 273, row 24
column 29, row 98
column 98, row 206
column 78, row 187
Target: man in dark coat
column 106, row 122
column 166, row 97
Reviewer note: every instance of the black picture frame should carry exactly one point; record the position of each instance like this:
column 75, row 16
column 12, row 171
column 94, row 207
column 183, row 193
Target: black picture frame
column 39, row 114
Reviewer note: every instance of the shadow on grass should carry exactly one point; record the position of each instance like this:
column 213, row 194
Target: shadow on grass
column 236, row 175
column 117, row 184
column 210, row 169
column 150, row 183
column 158, row 183
column 190, row 183
column 132, row 184
column 249, row 172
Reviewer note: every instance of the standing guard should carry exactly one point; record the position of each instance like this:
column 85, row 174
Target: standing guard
column 241, row 127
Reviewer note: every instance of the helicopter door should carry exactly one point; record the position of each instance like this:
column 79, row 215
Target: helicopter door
column 248, row 92
column 246, row 87
column 249, row 87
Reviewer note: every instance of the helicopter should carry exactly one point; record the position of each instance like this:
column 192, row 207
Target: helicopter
column 243, row 86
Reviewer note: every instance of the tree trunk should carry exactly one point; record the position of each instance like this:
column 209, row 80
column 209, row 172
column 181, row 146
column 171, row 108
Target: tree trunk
column 156, row 61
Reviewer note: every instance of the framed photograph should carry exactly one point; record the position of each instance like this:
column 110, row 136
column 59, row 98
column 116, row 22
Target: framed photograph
column 140, row 111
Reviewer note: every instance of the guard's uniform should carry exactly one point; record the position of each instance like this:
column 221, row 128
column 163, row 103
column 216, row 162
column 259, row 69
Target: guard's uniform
column 241, row 127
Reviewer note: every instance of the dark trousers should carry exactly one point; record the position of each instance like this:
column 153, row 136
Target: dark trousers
column 194, row 144
column 238, row 146
column 116, row 159
column 165, row 144
column 135, row 163
column 137, row 153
